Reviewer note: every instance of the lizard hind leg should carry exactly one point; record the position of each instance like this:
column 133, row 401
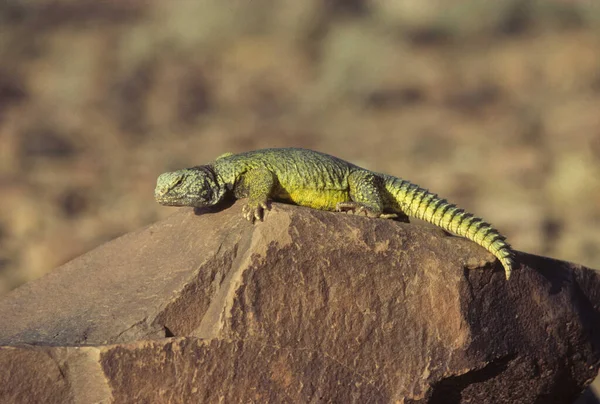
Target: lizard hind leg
column 365, row 192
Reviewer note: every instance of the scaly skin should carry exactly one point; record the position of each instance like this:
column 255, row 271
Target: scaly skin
column 320, row 181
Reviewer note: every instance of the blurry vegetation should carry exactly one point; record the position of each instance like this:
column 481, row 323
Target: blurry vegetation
column 492, row 104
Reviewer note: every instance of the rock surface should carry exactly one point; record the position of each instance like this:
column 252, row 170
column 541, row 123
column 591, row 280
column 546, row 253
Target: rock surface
column 306, row 306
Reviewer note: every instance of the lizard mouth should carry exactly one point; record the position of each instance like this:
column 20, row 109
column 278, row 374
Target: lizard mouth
column 169, row 200
column 165, row 200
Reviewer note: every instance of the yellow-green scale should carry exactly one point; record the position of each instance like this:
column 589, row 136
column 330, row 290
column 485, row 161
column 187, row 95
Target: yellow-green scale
column 326, row 199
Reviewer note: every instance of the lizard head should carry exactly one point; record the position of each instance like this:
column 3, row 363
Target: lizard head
column 196, row 186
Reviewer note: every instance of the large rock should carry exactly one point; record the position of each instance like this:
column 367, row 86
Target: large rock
column 306, row 306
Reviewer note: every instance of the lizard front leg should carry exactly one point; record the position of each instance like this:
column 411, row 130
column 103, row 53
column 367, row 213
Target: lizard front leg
column 365, row 192
column 258, row 184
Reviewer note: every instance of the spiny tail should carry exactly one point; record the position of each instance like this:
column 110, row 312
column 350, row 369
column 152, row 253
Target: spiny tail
column 421, row 204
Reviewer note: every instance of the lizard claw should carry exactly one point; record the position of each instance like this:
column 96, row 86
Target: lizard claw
column 355, row 208
column 351, row 208
column 254, row 211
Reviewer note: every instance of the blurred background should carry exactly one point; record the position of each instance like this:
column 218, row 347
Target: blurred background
column 494, row 105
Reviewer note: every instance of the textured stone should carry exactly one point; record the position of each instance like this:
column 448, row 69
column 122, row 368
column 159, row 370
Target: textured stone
column 306, row 306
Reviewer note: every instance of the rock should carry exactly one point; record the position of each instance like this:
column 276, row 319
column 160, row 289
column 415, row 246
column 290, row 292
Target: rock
column 306, row 306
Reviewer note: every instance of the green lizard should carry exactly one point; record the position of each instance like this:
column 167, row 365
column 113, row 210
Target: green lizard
column 320, row 181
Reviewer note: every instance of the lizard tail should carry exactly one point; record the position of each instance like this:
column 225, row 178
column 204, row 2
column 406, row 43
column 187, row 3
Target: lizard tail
column 421, row 204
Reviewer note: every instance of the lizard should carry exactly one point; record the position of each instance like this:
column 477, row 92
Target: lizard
column 321, row 181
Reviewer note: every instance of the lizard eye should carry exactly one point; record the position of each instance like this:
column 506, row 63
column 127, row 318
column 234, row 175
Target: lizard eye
column 177, row 181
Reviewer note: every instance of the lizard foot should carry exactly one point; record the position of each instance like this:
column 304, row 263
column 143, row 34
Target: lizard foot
column 254, row 210
column 357, row 208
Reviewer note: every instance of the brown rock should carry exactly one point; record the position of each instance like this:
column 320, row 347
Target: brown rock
column 306, row 306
